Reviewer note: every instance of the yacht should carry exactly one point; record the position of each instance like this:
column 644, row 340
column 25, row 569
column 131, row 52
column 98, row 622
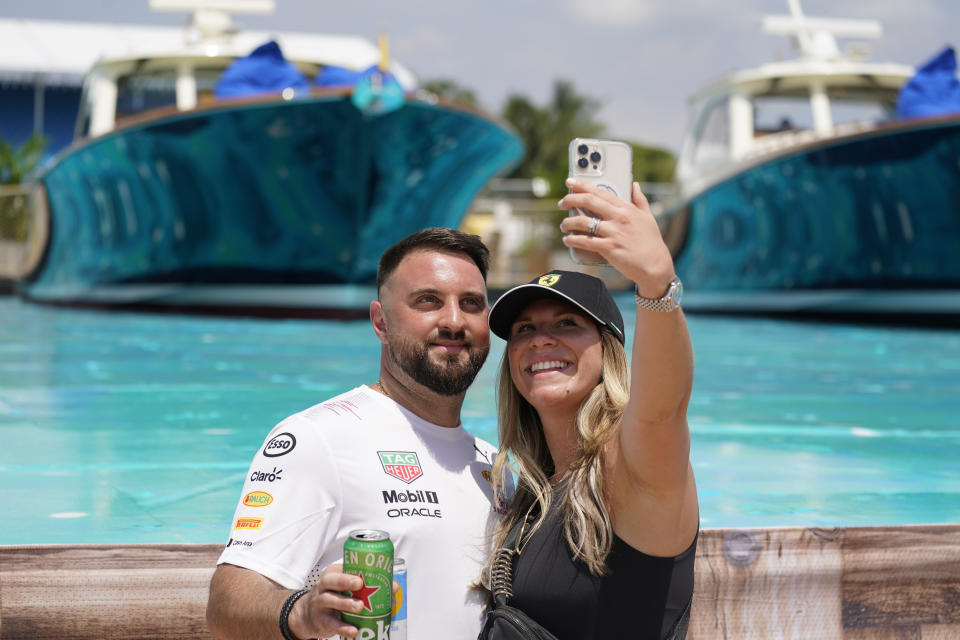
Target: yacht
column 818, row 185
column 234, row 172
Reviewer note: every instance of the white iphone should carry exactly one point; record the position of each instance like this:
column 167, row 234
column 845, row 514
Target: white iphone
column 607, row 163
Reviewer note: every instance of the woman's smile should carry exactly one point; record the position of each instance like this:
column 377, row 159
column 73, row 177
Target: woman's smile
column 548, row 366
column 555, row 353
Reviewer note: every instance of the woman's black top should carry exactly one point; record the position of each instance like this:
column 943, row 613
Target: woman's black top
column 641, row 596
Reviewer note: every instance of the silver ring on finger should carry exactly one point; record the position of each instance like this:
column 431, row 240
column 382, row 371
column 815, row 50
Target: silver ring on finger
column 593, row 226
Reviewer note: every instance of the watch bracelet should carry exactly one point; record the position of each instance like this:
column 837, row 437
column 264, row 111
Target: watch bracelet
column 663, row 304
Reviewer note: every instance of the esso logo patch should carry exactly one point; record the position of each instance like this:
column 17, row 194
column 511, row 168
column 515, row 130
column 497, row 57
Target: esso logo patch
column 279, row 445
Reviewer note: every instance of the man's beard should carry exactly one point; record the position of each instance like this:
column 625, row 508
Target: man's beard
column 449, row 377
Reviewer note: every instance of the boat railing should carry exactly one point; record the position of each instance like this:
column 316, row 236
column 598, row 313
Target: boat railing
column 782, row 140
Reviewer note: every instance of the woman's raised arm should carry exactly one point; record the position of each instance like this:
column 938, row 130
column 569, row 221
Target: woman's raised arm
column 651, row 482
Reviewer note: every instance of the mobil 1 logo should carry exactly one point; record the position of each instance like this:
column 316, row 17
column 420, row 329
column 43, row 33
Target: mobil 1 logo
column 407, row 503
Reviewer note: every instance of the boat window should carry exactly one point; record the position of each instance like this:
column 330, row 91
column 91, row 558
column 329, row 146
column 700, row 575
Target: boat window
column 775, row 114
column 713, row 134
column 145, row 90
column 206, row 80
column 852, row 110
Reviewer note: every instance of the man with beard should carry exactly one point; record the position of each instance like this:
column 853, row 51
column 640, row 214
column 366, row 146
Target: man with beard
column 391, row 456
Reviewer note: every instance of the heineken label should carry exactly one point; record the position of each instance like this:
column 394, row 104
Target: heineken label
column 369, row 554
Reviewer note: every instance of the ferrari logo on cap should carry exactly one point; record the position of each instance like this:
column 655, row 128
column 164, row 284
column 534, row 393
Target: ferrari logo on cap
column 548, row 280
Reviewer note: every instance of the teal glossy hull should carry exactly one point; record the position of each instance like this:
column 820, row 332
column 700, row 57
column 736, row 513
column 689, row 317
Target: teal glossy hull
column 287, row 193
column 841, row 224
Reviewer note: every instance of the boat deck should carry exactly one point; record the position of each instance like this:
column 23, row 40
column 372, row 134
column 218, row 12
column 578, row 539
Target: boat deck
column 778, row 583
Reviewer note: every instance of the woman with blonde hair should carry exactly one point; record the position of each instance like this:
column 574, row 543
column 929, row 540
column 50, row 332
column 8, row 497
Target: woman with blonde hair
column 606, row 504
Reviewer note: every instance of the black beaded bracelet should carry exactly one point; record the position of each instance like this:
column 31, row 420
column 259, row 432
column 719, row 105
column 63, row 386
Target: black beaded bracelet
column 285, row 613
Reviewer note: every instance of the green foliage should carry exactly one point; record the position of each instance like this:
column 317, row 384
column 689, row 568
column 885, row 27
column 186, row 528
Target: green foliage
column 546, row 131
column 451, row 90
column 16, row 165
column 651, row 164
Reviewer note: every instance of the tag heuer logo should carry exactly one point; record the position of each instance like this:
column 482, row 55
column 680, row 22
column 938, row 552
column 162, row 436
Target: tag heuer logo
column 548, row 280
column 402, row 465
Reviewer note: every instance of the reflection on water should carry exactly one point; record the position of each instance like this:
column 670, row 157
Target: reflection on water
column 139, row 428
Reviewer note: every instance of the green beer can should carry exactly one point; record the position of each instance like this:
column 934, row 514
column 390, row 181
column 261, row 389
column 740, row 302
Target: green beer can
column 368, row 553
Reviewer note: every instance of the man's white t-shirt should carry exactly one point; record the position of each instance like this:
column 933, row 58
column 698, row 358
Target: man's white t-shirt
column 361, row 461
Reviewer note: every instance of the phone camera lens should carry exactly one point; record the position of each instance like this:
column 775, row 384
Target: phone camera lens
column 582, row 163
column 582, row 149
column 595, row 156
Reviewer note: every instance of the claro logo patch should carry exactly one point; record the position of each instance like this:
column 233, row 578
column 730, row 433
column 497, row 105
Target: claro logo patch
column 280, row 445
column 265, row 476
column 257, row 499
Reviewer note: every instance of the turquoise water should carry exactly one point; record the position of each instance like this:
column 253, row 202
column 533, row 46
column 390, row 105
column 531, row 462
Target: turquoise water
column 139, row 428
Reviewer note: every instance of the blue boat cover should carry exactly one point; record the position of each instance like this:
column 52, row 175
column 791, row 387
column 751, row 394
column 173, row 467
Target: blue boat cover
column 933, row 90
column 334, row 76
column 265, row 70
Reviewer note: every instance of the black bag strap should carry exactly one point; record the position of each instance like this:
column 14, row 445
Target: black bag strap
column 679, row 629
column 512, row 541
column 501, row 573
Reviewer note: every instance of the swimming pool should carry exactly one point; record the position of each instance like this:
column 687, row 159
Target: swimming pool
column 125, row 428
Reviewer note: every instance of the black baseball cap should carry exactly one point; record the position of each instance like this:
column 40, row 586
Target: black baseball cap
column 579, row 289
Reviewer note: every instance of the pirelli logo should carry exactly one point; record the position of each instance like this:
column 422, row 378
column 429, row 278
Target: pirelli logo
column 248, row 523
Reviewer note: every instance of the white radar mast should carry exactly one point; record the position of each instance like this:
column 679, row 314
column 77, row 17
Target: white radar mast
column 211, row 21
column 816, row 38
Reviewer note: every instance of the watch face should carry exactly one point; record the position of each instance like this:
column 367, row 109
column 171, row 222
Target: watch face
column 678, row 292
